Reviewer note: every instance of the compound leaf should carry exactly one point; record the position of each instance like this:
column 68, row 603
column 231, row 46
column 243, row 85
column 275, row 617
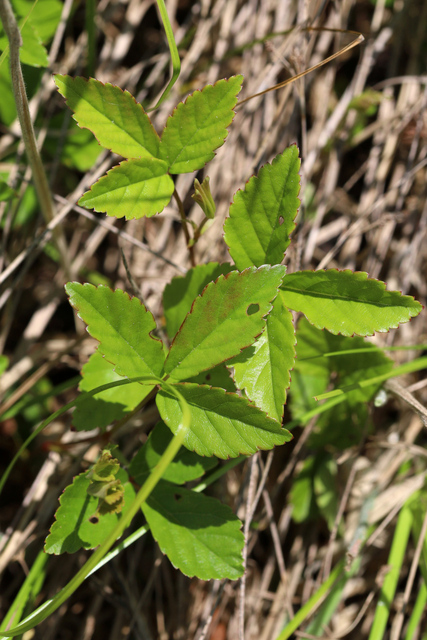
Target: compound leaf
column 346, row 302
column 122, row 325
column 227, row 317
column 265, row 372
column 115, row 118
column 181, row 291
column 186, row 465
column 263, row 213
column 133, row 189
column 200, row 536
column 198, row 126
column 222, row 424
column 78, row 524
column 113, row 404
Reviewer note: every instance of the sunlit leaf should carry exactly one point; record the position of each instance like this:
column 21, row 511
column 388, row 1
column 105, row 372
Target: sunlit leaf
column 263, row 370
column 222, row 424
column 123, row 327
column 198, row 126
column 263, row 213
column 133, row 189
column 114, row 117
column 227, row 317
column 346, row 302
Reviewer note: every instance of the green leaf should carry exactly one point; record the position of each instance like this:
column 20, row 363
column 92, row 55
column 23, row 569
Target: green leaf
column 32, row 51
column 186, row 465
column 179, row 294
column 346, row 302
column 133, row 189
column 344, row 425
column 77, row 524
column 107, row 406
column 325, row 488
column 227, row 317
column 114, row 117
column 4, row 363
column 219, row 376
column 198, row 126
column 44, row 16
column 6, row 192
column 200, row 536
column 262, row 215
column 265, row 372
column 123, row 327
column 222, row 424
column 301, row 495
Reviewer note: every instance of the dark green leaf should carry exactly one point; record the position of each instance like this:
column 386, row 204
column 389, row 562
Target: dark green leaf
column 200, row 536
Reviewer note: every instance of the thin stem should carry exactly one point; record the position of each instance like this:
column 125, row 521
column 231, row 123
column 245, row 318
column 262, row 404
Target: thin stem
column 185, row 227
column 39, row 176
column 175, row 59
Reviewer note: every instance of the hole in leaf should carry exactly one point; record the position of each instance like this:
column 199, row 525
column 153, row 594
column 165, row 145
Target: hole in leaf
column 253, row 308
column 94, row 519
column 177, row 497
column 281, row 219
column 208, row 376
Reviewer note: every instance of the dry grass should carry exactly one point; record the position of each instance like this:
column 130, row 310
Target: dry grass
column 364, row 207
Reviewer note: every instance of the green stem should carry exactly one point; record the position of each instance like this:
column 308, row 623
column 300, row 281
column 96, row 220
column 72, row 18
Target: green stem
column 175, row 59
column 184, row 224
column 90, row 30
column 313, row 603
column 409, row 367
column 39, row 176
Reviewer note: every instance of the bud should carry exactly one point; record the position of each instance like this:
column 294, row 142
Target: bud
column 202, row 195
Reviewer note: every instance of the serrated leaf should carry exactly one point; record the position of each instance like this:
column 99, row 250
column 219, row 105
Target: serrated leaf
column 133, row 189
column 114, row 117
column 265, row 374
column 227, row 317
column 186, row 465
column 222, row 424
column 123, row 327
column 113, row 404
column 346, row 302
column 77, row 524
column 198, row 126
column 200, row 536
column 262, row 214
column 179, row 294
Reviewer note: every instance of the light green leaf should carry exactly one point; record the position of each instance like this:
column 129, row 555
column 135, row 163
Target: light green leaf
column 113, row 404
column 77, row 524
column 114, row 117
column 325, row 488
column 186, row 465
column 265, row 372
column 32, row 51
column 179, row 294
column 222, row 424
column 227, row 317
column 263, row 213
column 200, row 536
column 346, row 302
column 123, row 327
column 44, row 16
column 301, row 495
column 134, row 189
column 4, row 363
column 198, row 126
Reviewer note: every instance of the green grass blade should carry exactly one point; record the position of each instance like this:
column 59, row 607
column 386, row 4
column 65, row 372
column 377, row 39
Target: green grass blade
column 175, row 59
column 395, row 560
